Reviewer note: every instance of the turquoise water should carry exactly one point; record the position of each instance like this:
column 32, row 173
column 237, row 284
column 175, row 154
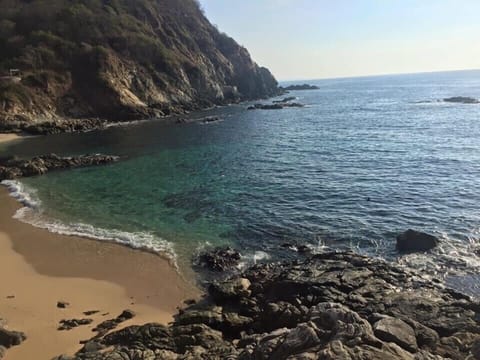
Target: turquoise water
column 366, row 159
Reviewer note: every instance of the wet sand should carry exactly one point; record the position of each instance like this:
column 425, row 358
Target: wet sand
column 39, row 268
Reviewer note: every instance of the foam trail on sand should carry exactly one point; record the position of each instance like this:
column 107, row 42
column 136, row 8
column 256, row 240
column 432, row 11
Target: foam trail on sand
column 32, row 213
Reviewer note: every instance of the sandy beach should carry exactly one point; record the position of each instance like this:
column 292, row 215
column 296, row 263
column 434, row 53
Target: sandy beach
column 9, row 137
column 38, row 268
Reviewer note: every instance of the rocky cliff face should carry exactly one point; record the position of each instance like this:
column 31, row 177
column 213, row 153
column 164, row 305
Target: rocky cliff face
column 118, row 60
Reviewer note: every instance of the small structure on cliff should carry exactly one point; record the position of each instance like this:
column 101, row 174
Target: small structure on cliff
column 14, row 76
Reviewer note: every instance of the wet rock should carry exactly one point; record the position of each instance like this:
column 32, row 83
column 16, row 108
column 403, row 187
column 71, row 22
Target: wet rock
column 11, row 338
column 396, row 331
column 220, row 259
column 462, row 100
column 413, row 241
column 73, row 323
column 15, row 168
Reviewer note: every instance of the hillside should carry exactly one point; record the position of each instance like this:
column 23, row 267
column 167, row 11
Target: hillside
column 118, row 60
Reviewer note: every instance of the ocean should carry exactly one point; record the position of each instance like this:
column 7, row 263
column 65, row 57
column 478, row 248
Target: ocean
column 366, row 159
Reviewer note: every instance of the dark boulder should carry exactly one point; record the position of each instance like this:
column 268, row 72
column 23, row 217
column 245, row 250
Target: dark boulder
column 220, row 259
column 414, row 241
column 11, row 338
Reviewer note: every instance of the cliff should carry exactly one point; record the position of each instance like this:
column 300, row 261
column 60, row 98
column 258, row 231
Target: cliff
column 118, row 60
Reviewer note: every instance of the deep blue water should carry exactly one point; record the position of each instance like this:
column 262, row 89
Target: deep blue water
column 367, row 158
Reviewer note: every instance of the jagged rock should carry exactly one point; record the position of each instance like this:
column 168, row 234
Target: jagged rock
column 223, row 291
column 411, row 241
column 397, row 331
column 11, row 338
column 330, row 306
column 462, row 100
column 14, row 168
column 220, row 259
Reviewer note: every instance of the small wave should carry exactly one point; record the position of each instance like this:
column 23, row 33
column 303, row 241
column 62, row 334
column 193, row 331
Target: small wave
column 32, row 213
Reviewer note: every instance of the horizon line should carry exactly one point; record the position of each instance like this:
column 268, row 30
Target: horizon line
column 376, row 75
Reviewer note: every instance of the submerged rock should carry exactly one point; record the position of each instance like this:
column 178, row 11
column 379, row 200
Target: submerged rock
column 13, row 168
column 462, row 100
column 331, row 306
column 413, row 241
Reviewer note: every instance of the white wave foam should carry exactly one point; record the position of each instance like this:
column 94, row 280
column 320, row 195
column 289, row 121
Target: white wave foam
column 32, row 213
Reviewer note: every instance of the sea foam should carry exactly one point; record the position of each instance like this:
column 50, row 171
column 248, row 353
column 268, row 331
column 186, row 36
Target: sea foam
column 32, row 213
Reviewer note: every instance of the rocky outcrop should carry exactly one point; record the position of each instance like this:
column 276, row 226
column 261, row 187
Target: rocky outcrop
column 331, row 306
column 118, row 60
column 275, row 106
column 462, row 100
column 12, row 168
column 300, row 87
column 219, row 259
column 416, row 241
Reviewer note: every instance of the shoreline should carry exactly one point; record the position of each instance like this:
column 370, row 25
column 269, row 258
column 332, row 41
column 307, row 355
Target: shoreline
column 39, row 268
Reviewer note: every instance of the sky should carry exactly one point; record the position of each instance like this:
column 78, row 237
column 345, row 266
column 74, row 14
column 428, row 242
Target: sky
column 314, row 39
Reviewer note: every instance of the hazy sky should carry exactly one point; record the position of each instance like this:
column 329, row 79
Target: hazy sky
column 307, row 39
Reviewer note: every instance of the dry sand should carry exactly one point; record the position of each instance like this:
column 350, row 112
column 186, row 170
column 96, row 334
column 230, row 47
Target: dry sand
column 39, row 268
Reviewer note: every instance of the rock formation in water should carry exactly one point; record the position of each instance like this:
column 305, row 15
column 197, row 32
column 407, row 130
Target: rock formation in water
column 116, row 60
column 332, row 306
column 12, row 168
column 300, row 87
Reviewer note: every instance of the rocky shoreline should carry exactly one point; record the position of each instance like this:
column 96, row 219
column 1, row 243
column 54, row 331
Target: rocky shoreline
column 12, row 168
column 330, row 306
